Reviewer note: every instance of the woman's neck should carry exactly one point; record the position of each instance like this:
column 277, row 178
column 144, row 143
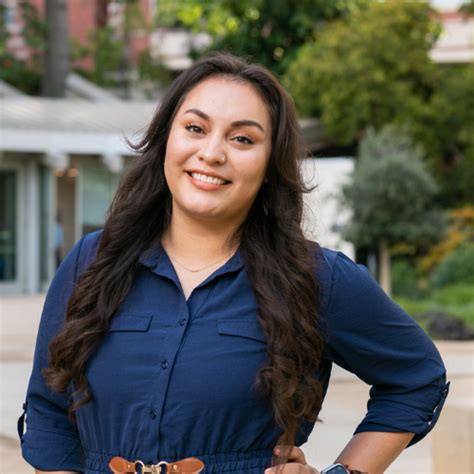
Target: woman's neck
column 196, row 242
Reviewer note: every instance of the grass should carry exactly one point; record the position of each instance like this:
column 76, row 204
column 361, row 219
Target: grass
column 455, row 300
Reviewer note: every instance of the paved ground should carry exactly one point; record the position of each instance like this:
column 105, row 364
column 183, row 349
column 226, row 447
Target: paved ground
column 343, row 409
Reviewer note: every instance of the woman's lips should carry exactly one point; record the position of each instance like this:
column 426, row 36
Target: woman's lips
column 205, row 181
column 207, row 178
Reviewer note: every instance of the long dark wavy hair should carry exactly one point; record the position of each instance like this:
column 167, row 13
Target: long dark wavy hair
column 279, row 261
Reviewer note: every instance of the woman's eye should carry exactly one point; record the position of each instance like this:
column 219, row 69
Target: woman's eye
column 194, row 128
column 243, row 140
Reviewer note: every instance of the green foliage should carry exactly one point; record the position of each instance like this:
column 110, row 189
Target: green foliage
column 467, row 8
column 460, row 230
column 391, row 193
column 3, row 30
column 448, row 134
column 24, row 74
column 456, row 267
column 105, row 47
column 372, row 68
column 269, row 32
column 457, row 300
column 455, row 294
column 34, row 31
column 150, row 74
column 405, row 277
column 111, row 56
column 19, row 74
column 107, row 52
column 369, row 68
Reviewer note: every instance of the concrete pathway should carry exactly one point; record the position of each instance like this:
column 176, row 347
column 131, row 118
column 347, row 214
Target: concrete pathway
column 344, row 407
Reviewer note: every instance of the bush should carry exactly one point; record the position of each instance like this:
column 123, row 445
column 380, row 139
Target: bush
column 460, row 231
column 454, row 295
column 20, row 75
column 457, row 300
column 445, row 312
column 456, row 267
column 442, row 325
column 405, row 279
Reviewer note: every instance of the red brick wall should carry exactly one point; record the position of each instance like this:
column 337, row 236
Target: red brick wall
column 82, row 19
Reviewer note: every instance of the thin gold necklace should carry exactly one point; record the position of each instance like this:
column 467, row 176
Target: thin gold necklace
column 198, row 269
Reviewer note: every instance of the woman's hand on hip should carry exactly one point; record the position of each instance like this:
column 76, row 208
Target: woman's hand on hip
column 296, row 463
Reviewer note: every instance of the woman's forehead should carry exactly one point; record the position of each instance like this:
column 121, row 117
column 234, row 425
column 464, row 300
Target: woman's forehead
column 226, row 98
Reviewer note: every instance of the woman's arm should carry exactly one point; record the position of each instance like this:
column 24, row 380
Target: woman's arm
column 51, row 442
column 369, row 452
column 373, row 451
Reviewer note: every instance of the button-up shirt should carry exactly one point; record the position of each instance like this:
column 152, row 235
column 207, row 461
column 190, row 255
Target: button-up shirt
column 174, row 378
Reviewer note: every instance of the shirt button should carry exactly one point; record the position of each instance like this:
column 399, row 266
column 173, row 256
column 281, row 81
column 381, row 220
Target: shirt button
column 153, row 414
column 164, row 364
column 183, row 322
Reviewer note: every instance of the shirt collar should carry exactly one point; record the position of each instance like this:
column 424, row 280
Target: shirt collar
column 156, row 259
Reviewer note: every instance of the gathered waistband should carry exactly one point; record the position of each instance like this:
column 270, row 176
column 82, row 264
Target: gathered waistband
column 248, row 462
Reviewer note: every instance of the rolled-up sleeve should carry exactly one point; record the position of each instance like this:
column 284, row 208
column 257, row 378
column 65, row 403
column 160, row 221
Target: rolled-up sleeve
column 371, row 336
column 51, row 442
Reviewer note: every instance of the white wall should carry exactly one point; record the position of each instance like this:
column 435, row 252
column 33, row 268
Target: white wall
column 323, row 214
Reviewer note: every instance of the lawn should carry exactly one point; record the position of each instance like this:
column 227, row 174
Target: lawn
column 455, row 300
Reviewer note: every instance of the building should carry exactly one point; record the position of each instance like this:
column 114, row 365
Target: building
column 324, row 216
column 61, row 161
column 456, row 42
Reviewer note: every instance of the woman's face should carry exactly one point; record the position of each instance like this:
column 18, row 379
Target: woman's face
column 218, row 150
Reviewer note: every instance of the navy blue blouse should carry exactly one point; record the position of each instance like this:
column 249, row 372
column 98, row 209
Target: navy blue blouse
column 175, row 378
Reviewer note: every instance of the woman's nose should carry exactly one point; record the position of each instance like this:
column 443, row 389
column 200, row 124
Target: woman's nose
column 212, row 153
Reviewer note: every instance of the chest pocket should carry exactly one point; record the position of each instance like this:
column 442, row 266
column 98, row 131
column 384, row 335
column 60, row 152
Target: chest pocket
column 242, row 328
column 134, row 322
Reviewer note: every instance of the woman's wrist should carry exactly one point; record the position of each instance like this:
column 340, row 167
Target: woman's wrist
column 339, row 468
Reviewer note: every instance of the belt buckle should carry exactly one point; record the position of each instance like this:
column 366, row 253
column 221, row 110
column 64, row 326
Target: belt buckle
column 153, row 468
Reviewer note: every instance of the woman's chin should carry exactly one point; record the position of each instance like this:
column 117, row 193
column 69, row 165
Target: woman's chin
column 205, row 213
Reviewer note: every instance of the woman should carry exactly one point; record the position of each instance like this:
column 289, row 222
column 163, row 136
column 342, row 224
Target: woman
column 200, row 322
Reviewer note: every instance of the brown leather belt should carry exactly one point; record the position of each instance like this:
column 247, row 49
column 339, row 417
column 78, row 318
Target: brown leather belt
column 120, row 465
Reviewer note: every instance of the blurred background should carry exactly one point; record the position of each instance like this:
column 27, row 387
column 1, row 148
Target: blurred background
column 385, row 97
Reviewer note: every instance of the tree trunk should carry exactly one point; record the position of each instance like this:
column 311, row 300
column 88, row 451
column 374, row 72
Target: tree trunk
column 101, row 13
column 126, row 60
column 385, row 273
column 56, row 61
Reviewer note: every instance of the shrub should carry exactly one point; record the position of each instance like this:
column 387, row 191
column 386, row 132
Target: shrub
column 456, row 267
column 461, row 230
column 441, row 325
column 460, row 294
column 435, row 311
column 405, row 279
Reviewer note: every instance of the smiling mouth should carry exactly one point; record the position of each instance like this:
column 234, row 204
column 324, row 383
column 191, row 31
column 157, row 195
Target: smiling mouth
column 208, row 179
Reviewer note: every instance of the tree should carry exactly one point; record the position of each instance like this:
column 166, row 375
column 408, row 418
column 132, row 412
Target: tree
column 24, row 74
column 448, row 134
column 391, row 197
column 269, row 32
column 467, row 8
column 370, row 68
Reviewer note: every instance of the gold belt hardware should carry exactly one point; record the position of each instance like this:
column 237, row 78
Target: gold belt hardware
column 120, row 465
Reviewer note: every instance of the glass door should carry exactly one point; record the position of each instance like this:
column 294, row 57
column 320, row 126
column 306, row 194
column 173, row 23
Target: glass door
column 8, row 230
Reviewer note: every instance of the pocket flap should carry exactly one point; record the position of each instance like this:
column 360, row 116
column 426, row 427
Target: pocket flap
column 130, row 322
column 241, row 327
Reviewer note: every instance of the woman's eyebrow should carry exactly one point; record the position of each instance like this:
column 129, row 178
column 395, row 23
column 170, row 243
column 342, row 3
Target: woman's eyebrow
column 201, row 114
column 237, row 123
column 244, row 123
